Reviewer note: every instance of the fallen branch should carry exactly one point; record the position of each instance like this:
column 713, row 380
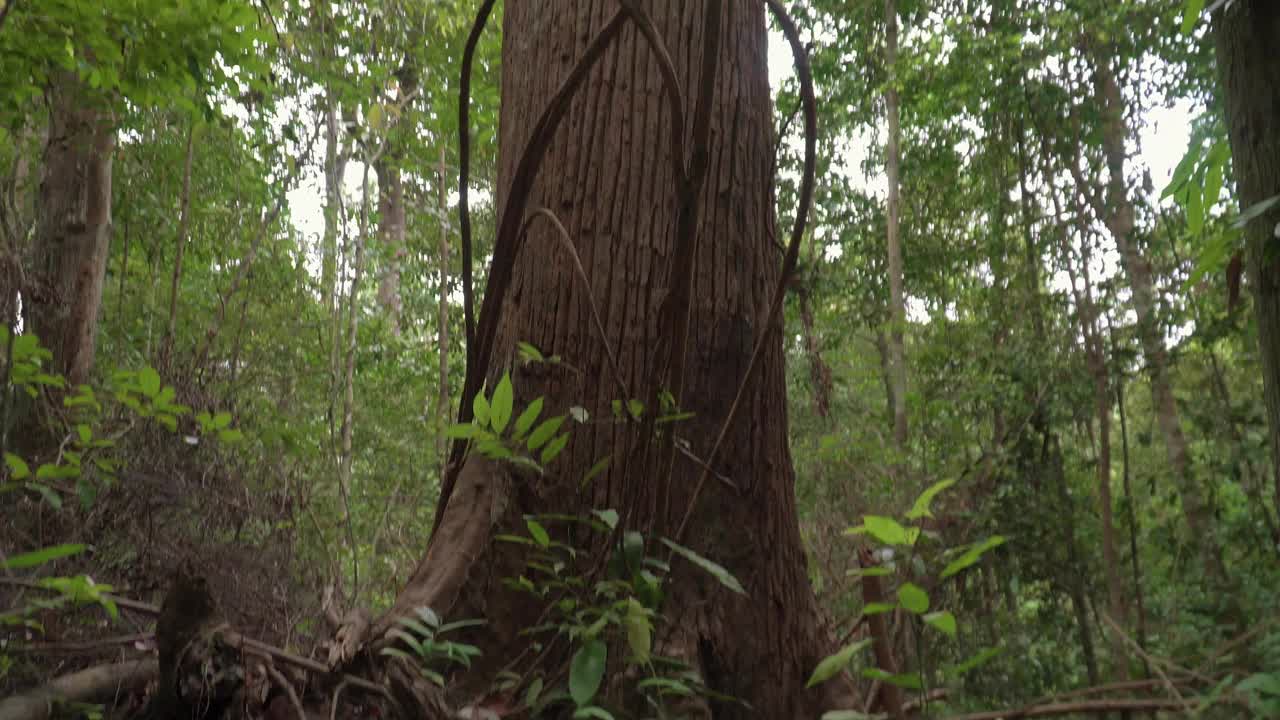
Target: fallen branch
column 96, row 683
column 1082, row 706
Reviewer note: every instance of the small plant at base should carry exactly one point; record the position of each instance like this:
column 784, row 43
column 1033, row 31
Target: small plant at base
column 423, row 634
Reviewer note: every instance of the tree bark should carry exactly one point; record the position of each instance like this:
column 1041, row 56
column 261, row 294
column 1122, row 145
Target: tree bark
column 184, row 209
column 73, row 227
column 1246, row 33
column 897, row 300
column 610, row 177
column 442, row 331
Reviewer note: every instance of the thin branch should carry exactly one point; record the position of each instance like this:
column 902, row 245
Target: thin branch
column 287, row 686
column 563, row 235
column 1080, row 707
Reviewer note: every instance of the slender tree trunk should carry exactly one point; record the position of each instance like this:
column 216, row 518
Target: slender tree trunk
column 897, row 301
column 1118, row 215
column 184, row 209
column 1246, row 33
column 1135, row 562
column 443, row 406
column 609, row 176
column 73, row 227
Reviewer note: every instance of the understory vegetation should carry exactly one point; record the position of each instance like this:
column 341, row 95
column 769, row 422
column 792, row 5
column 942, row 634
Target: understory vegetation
column 931, row 370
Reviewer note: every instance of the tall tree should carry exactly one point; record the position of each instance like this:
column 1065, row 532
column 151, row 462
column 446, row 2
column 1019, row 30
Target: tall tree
column 613, row 179
column 897, row 301
column 1245, row 34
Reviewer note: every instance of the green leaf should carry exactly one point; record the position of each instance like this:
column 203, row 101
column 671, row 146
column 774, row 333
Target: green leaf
column 84, row 433
column 1195, row 211
column 480, row 409
column 877, row 608
column 18, row 468
column 913, row 598
column 586, row 670
column 461, row 432
column 537, row 532
column 836, row 662
column 639, row 631
column 529, row 353
column 889, row 531
column 149, row 381
column 943, row 621
column 553, row 448
column 920, row 508
column 1213, row 257
column 1255, row 211
column 874, row 571
column 719, row 573
column 1183, row 171
column 527, row 418
column 221, row 420
column 979, row 658
column 1190, row 14
column 1213, row 182
column 1266, row 683
column 971, row 556
column 501, row 405
column 40, row 557
column 608, row 517
column 230, row 436
column 849, row 715
column 544, row 432
column 599, row 467
column 593, row 711
column 532, row 693
column 911, row 681
column 51, row 497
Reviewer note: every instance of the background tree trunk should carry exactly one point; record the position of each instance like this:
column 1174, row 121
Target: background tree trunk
column 1246, row 34
column 897, row 300
column 73, row 226
column 609, row 176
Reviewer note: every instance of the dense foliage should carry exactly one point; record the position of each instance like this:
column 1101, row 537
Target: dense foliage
column 1083, row 491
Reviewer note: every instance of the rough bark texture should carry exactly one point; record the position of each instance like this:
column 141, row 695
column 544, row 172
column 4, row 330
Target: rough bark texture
column 391, row 233
column 73, row 227
column 1246, row 35
column 609, row 176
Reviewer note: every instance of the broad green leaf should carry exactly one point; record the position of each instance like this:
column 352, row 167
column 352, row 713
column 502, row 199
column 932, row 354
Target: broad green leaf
column 1213, row 257
column 532, row 693
column 594, row 712
column 461, row 432
column 921, row 506
column 874, row 571
column 480, row 409
column 971, row 556
column 608, row 517
column 84, row 433
column 887, row 530
column 1195, row 211
column 1183, row 171
column 913, row 598
column 18, row 467
column 586, row 670
column 943, row 621
column 501, row 405
column 666, row 686
column 529, row 353
column 527, row 418
column 719, row 573
column 1213, row 183
column 1190, row 14
column 836, row 662
column 40, row 557
column 221, row 420
column 639, row 631
column 1267, row 683
column 537, row 532
column 543, row 432
column 149, row 381
column 849, row 715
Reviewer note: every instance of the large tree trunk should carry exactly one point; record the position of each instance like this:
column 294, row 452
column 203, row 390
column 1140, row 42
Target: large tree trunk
column 73, row 226
column 1246, row 35
column 610, row 177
